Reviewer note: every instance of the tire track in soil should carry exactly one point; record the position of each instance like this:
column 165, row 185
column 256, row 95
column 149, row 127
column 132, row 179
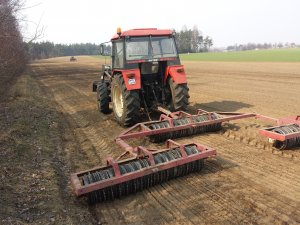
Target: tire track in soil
column 285, row 195
column 261, row 166
column 198, row 214
column 276, row 203
column 180, row 191
column 62, row 166
column 74, row 105
column 236, row 188
column 253, row 165
column 195, row 183
column 71, row 104
column 228, row 199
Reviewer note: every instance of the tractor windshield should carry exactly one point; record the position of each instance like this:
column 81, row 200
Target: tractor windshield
column 138, row 48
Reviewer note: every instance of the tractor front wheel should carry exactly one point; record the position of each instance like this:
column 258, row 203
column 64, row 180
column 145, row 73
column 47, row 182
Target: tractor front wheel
column 126, row 104
column 179, row 96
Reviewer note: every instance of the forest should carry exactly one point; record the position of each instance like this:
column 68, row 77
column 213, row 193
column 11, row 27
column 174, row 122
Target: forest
column 188, row 41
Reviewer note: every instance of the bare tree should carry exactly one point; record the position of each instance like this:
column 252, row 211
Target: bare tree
column 196, row 39
column 12, row 49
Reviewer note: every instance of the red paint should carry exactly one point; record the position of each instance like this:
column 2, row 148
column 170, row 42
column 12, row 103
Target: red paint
column 276, row 136
column 290, row 119
column 177, row 74
column 131, row 74
column 143, row 32
column 268, row 132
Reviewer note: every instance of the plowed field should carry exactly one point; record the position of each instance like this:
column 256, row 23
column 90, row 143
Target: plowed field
column 249, row 182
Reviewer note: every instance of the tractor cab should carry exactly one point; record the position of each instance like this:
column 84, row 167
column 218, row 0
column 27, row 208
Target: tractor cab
column 150, row 46
column 146, row 64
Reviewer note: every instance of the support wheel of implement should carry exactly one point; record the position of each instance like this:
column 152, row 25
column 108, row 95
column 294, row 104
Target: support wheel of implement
column 103, row 98
column 126, row 104
column 180, row 96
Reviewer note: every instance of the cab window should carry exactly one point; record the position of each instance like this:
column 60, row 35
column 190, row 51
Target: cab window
column 118, row 61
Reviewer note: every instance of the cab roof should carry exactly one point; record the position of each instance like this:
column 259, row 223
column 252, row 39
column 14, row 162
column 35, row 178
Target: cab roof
column 143, row 32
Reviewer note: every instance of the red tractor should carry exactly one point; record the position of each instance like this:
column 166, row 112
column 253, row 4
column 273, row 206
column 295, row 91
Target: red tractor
column 145, row 73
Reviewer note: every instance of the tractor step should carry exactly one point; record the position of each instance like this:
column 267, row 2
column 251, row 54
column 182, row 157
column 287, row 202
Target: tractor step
column 120, row 178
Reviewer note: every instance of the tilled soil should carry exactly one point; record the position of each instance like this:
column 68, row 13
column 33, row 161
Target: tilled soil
column 247, row 183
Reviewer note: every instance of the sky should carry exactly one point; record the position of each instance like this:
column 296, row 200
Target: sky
column 228, row 22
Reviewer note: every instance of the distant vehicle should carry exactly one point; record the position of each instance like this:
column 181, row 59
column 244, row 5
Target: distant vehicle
column 73, row 59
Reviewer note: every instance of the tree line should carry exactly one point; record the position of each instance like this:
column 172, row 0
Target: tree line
column 192, row 40
column 253, row 46
column 188, row 41
column 42, row 50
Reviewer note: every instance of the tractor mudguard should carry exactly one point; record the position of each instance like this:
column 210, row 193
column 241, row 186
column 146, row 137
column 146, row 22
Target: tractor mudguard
column 177, row 73
column 132, row 78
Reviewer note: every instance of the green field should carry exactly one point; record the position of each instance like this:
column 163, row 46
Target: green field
column 272, row 55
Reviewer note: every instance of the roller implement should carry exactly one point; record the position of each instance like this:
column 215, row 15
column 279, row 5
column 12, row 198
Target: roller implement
column 147, row 167
column 181, row 124
column 286, row 134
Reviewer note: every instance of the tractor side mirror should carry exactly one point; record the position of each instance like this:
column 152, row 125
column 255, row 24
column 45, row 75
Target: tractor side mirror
column 102, row 49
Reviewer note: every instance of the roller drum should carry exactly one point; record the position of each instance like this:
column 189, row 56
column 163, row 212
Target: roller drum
column 135, row 185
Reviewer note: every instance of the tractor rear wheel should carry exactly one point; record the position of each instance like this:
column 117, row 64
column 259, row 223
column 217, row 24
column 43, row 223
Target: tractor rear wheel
column 179, row 96
column 126, row 104
column 103, row 98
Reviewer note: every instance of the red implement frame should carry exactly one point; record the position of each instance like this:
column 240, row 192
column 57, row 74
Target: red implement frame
column 268, row 132
column 142, row 129
column 138, row 152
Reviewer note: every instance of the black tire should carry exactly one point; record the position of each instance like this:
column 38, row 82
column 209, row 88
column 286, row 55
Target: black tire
column 179, row 96
column 103, row 98
column 130, row 113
